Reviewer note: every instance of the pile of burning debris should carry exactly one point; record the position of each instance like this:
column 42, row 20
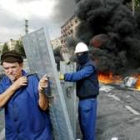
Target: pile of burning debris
column 128, row 82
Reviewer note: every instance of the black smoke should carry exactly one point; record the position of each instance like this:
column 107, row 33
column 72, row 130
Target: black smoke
column 120, row 52
column 58, row 57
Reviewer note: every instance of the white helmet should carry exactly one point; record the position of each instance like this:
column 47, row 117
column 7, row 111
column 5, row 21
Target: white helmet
column 81, row 47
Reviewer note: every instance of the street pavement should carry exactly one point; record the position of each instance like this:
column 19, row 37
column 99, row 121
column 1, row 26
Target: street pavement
column 118, row 114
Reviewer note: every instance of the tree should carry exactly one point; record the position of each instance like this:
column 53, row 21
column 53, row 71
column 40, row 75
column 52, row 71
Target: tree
column 5, row 48
column 135, row 5
column 19, row 48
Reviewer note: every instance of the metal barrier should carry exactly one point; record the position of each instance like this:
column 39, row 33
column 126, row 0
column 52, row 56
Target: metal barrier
column 41, row 60
column 69, row 90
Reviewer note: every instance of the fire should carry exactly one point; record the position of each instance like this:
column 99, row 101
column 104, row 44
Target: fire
column 137, row 85
column 108, row 78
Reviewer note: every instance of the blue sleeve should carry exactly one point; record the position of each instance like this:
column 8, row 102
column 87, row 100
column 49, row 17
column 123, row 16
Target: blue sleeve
column 1, row 89
column 81, row 74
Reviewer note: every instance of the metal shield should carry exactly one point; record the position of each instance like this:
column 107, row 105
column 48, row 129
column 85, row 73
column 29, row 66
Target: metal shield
column 41, row 61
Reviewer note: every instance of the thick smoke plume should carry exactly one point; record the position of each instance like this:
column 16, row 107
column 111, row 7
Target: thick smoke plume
column 112, row 32
column 58, row 57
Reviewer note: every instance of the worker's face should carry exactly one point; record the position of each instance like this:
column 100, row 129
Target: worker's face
column 13, row 70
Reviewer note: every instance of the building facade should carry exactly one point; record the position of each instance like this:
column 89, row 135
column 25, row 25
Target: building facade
column 68, row 29
column 11, row 44
column 56, row 43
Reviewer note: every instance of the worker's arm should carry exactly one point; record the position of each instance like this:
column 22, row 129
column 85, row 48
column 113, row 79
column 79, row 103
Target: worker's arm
column 7, row 94
column 43, row 100
column 81, row 74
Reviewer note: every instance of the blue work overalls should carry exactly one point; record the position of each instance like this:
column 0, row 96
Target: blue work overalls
column 24, row 120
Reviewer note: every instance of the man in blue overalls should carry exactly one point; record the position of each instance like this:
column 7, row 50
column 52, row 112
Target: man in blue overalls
column 22, row 96
column 87, row 87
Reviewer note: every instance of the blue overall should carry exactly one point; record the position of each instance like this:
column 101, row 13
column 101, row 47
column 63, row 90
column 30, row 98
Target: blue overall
column 87, row 110
column 87, row 91
column 24, row 120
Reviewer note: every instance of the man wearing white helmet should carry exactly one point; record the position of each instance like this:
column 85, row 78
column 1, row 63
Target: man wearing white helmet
column 87, row 87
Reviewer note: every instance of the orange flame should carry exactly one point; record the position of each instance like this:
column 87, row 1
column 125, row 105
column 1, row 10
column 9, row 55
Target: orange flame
column 137, row 85
column 108, row 78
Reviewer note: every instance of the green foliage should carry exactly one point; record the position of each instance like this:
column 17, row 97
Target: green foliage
column 137, row 6
column 5, row 48
column 19, row 48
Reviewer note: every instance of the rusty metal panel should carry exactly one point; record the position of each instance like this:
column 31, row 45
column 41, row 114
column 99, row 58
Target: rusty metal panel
column 41, row 60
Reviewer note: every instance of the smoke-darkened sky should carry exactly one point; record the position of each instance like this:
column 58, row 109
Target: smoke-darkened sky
column 40, row 13
column 113, row 22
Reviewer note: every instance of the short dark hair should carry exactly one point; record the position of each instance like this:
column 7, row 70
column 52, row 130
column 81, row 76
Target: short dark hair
column 11, row 57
